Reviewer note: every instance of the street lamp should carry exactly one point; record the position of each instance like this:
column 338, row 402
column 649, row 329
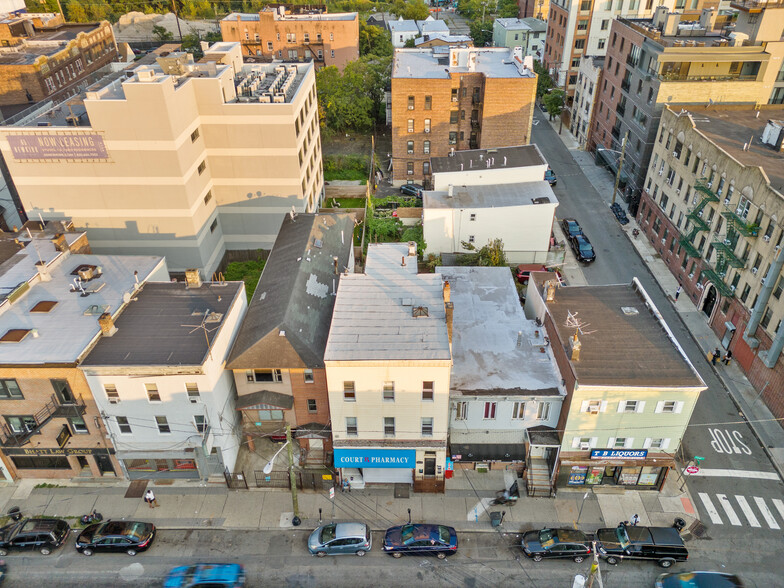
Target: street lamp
column 292, row 478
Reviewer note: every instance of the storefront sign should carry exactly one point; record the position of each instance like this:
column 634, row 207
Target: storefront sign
column 58, row 146
column 374, row 458
column 619, row 453
column 63, row 436
column 66, row 451
column 577, row 475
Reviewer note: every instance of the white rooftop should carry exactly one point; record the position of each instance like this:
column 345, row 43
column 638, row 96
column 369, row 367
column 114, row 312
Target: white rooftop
column 390, row 312
column 492, row 196
column 433, row 63
column 63, row 333
column 495, row 349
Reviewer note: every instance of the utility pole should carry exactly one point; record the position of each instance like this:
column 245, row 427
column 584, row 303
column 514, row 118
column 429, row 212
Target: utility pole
column 292, row 479
column 595, row 572
column 620, row 165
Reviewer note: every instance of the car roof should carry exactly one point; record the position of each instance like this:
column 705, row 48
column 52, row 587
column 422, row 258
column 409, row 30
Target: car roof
column 570, row 536
column 702, row 580
column 217, row 572
column 666, row 536
column 31, row 525
column 343, row 530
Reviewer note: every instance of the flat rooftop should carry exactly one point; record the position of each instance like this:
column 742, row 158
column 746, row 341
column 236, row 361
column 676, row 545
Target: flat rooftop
column 624, row 342
column 476, row 159
column 731, row 129
column 495, row 349
column 390, row 312
column 492, row 196
column 244, row 16
column 493, row 62
column 167, row 324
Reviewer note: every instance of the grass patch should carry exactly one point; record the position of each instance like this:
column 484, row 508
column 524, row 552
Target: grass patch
column 47, row 485
column 247, row 271
column 345, row 167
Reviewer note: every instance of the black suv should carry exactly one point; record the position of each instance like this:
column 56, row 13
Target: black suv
column 552, row 543
column 661, row 544
column 42, row 534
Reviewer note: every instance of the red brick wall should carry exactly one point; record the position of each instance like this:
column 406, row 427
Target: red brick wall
column 556, row 36
column 302, row 392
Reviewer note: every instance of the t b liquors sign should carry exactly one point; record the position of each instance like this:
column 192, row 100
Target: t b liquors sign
column 70, row 146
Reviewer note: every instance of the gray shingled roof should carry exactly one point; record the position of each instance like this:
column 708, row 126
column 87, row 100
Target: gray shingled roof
column 288, row 319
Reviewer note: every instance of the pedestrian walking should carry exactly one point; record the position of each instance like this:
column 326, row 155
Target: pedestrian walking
column 677, row 293
column 346, row 485
column 635, row 519
column 716, row 356
column 150, row 499
column 727, row 357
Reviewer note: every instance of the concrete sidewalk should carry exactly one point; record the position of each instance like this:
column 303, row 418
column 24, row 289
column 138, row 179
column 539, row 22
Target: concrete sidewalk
column 762, row 422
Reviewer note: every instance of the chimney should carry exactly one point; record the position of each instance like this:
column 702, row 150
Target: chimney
column 59, row 242
column 412, row 248
column 192, row 278
column 550, row 291
column 449, row 308
column 42, row 271
column 403, row 261
column 574, row 348
column 447, row 291
column 707, row 19
column 106, row 322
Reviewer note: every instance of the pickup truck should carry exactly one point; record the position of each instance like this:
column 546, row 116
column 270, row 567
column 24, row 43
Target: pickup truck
column 663, row 545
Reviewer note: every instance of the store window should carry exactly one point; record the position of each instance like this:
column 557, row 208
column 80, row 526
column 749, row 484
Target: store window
column 41, row 463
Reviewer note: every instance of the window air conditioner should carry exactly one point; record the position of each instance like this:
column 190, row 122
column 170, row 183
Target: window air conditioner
column 762, row 281
column 766, row 238
column 585, row 446
column 677, row 191
column 754, row 270
column 732, row 288
column 593, row 410
column 726, row 201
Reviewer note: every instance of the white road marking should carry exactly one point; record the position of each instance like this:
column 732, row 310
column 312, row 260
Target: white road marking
column 711, row 510
column 779, row 506
column 725, row 503
column 767, row 515
column 737, row 474
column 744, row 506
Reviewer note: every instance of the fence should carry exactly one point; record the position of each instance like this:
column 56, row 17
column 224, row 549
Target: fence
column 236, row 481
column 305, row 480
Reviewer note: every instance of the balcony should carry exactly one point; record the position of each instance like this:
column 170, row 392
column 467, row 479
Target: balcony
column 704, row 188
column 52, row 409
column 696, row 220
column 674, row 77
column 740, row 224
column 689, row 247
column 728, row 252
column 625, row 85
column 621, row 109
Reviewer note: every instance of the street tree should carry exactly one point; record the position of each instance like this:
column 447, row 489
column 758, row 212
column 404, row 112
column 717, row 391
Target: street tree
column 413, row 10
column 553, row 102
column 481, row 33
column 544, row 82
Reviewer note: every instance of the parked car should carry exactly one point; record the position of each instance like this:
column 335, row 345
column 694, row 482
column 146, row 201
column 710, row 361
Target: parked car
column 420, row 539
column 582, row 248
column 571, row 227
column 206, row 575
column 340, row 539
column 661, row 544
column 698, row 580
column 45, row 535
column 128, row 536
column 549, row 175
column 523, row 272
column 412, row 190
column 554, row 543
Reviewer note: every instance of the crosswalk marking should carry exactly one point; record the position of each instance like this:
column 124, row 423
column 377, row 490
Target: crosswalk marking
column 749, row 474
column 712, row 512
column 725, row 503
column 744, row 506
column 779, row 506
column 766, row 514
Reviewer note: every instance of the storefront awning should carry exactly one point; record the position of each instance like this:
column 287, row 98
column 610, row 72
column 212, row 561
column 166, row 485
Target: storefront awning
column 487, row 451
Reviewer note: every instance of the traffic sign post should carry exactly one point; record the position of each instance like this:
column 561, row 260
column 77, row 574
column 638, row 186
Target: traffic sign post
column 692, row 469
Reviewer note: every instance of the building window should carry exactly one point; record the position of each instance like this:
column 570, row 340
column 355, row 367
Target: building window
column 194, row 135
column 601, row 43
column 389, row 426
column 518, row 410
column 427, row 426
column 489, row 413
column 428, row 102
column 10, row 389
column 427, row 125
column 124, row 425
column 332, row 53
column 670, row 406
column 410, row 147
column 426, row 147
column 629, row 406
column 208, row 197
column 454, row 95
column 411, row 103
column 579, row 44
column 312, row 407
column 766, row 318
column 308, row 376
column 265, row 376
column 21, row 424
column 41, row 463
column 461, row 409
column 111, row 393
column 50, row 87
column 389, row 392
column 426, row 168
column 269, row 46
column 152, row 393
column 619, row 442
column 307, row 37
column 657, row 444
column 453, row 117
column 543, row 411
column 410, row 125
column 427, row 391
column 200, row 423
column 202, row 167
column 410, row 168
column 163, row 424
column 453, row 138
column 472, row 217
column 291, row 37
column 192, row 390
column 349, row 392
column 779, row 289
column 351, row 426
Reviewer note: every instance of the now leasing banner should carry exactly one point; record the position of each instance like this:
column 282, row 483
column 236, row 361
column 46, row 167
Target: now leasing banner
column 375, row 458
column 58, row 146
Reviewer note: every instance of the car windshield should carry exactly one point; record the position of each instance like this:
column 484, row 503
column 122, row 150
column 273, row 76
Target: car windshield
column 407, row 534
column 586, row 249
column 443, row 534
column 133, row 530
column 327, row 533
column 623, row 537
column 548, row 538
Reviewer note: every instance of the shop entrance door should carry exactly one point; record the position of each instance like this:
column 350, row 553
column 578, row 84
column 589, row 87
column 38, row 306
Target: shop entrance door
column 430, row 465
column 83, row 462
column 104, row 463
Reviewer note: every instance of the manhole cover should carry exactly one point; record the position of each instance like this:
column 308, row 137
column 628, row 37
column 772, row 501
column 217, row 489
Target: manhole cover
column 698, row 529
column 402, row 490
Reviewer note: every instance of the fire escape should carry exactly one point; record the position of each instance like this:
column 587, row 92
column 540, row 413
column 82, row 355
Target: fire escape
column 52, row 409
column 695, row 218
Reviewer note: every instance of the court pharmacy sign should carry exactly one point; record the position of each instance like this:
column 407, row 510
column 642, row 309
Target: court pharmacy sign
column 375, row 458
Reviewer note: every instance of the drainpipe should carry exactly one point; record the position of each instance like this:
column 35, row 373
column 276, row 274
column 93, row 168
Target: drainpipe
column 762, row 302
column 771, row 356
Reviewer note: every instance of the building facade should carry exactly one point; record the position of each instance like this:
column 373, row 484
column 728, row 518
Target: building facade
column 388, row 364
column 658, row 61
column 538, row 9
column 278, row 357
column 42, row 57
column 158, row 377
column 528, row 33
column 57, row 295
column 589, row 80
column 281, row 34
column 712, row 206
column 182, row 159
column 623, row 418
column 449, row 99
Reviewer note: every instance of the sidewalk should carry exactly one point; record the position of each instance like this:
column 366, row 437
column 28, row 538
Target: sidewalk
column 761, row 421
column 465, row 506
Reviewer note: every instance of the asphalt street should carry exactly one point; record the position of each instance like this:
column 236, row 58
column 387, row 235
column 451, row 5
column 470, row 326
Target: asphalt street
column 741, row 513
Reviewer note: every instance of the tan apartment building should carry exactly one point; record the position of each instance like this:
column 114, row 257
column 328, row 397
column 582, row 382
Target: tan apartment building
column 712, row 207
column 177, row 158
column 447, row 99
column 57, row 299
column 43, row 57
column 280, row 33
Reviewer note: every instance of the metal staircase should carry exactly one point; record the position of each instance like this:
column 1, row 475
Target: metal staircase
column 52, row 409
column 695, row 217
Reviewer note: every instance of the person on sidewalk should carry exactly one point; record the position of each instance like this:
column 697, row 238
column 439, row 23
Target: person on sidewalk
column 346, row 485
column 150, row 499
column 727, row 357
column 716, row 356
column 634, row 520
column 677, row 293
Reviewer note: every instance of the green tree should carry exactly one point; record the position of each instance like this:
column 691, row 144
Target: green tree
column 544, row 82
column 481, row 33
column 161, row 33
column 76, row 12
column 374, row 41
column 491, row 255
column 553, row 102
column 412, row 10
column 508, row 9
column 383, row 229
column 409, row 44
column 415, row 234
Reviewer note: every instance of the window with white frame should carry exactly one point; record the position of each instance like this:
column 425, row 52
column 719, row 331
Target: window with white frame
column 631, row 406
column 389, row 391
column 124, row 425
column 389, row 426
column 583, row 442
column 152, row 393
column 657, row 443
column 461, row 410
column 489, row 413
column 193, row 392
column 264, row 376
column 349, row 392
column 312, row 406
column 427, row 390
column 163, row 424
column 543, row 411
column 518, row 410
column 308, row 376
column 427, row 426
column 591, row 406
column 620, row 442
column 111, row 393
column 351, row 426
column 671, row 406
column 200, row 423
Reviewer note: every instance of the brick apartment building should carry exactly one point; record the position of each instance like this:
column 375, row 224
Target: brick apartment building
column 41, row 56
column 279, row 33
column 448, row 99
column 535, row 8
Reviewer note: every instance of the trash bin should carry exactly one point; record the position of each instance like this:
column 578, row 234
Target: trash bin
column 15, row 513
column 496, row 518
column 679, row 524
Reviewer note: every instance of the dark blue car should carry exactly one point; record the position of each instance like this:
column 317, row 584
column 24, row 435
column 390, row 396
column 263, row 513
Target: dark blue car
column 212, row 575
column 420, row 539
column 582, row 248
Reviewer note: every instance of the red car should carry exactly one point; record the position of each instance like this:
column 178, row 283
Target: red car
column 524, row 270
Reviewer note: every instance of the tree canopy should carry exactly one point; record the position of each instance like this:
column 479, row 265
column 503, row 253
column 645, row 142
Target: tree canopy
column 491, row 255
column 553, row 102
column 544, row 82
column 411, row 10
column 374, row 41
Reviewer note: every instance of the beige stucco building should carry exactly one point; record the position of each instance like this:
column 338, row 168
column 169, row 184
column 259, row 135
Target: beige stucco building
column 176, row 158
